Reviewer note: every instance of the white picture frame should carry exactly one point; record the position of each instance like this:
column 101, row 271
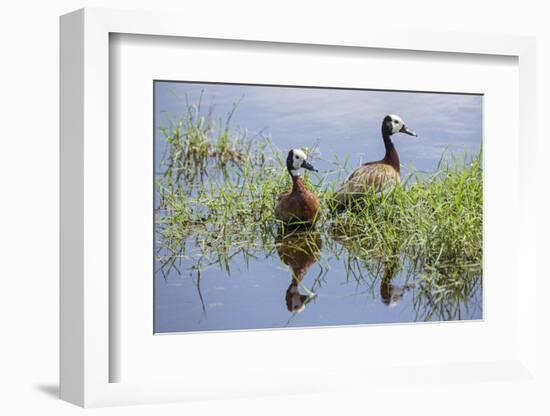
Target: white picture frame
column 85, row 211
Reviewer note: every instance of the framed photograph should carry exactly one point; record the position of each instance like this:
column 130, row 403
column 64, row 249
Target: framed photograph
column 236, row 209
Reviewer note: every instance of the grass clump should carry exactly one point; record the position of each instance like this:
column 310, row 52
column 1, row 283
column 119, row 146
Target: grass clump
column 436, row 220
column 197, row 143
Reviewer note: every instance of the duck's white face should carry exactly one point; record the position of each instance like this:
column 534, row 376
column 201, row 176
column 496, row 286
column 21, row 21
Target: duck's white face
column 297, row 160
column 396, row 123
column 297, row 303
column 298, row 157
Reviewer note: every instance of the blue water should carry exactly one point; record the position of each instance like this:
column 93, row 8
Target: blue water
column 255, row 292
column 254, row 296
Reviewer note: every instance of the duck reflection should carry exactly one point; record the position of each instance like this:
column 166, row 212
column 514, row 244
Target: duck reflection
column 390, row 294
column 299, row 251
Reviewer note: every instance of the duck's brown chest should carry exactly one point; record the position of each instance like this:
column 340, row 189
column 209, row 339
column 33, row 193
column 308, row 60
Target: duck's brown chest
column 300, row 204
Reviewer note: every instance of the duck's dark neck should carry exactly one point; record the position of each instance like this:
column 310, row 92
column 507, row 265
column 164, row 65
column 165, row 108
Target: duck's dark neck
column 297, row 183
column 391, row 157
column 298, row 274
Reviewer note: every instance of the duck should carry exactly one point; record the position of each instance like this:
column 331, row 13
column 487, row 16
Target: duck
column 299, row 251
column 378, row 175
column 299, row 205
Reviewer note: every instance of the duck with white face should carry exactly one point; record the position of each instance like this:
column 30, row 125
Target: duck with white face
column 378, row 175
column 298, row 205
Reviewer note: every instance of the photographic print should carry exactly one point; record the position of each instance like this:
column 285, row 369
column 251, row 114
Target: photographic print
column 288, row 206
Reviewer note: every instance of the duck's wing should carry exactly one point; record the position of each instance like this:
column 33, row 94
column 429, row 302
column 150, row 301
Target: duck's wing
column 366, row 177
column 279, row 206
column 282, row 195
column 373, row 176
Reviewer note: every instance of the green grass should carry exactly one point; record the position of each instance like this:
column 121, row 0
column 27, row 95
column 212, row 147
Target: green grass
column 437, row 220
column 219, row 187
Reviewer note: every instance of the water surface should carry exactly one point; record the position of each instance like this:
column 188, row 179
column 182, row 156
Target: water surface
column 311, row 279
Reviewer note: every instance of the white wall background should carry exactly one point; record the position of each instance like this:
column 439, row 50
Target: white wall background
column 29, row 204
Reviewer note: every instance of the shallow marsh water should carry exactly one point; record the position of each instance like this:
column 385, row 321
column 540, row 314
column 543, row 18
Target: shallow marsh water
column 258, row 293
column 306, row 279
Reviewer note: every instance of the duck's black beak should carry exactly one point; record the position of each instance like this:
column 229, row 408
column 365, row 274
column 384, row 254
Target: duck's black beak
column 405, row 130
column 308, row 166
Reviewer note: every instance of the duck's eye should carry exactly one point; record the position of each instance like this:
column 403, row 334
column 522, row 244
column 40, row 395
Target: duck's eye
column 296, row 157
column 395, row 121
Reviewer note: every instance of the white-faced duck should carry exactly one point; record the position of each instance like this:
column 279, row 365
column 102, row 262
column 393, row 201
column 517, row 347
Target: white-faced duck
column 298, row 205
column 376, row 175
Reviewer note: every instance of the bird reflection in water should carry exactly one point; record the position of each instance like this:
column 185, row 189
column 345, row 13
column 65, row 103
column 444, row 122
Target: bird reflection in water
column 299, row 251
column 391, row 294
